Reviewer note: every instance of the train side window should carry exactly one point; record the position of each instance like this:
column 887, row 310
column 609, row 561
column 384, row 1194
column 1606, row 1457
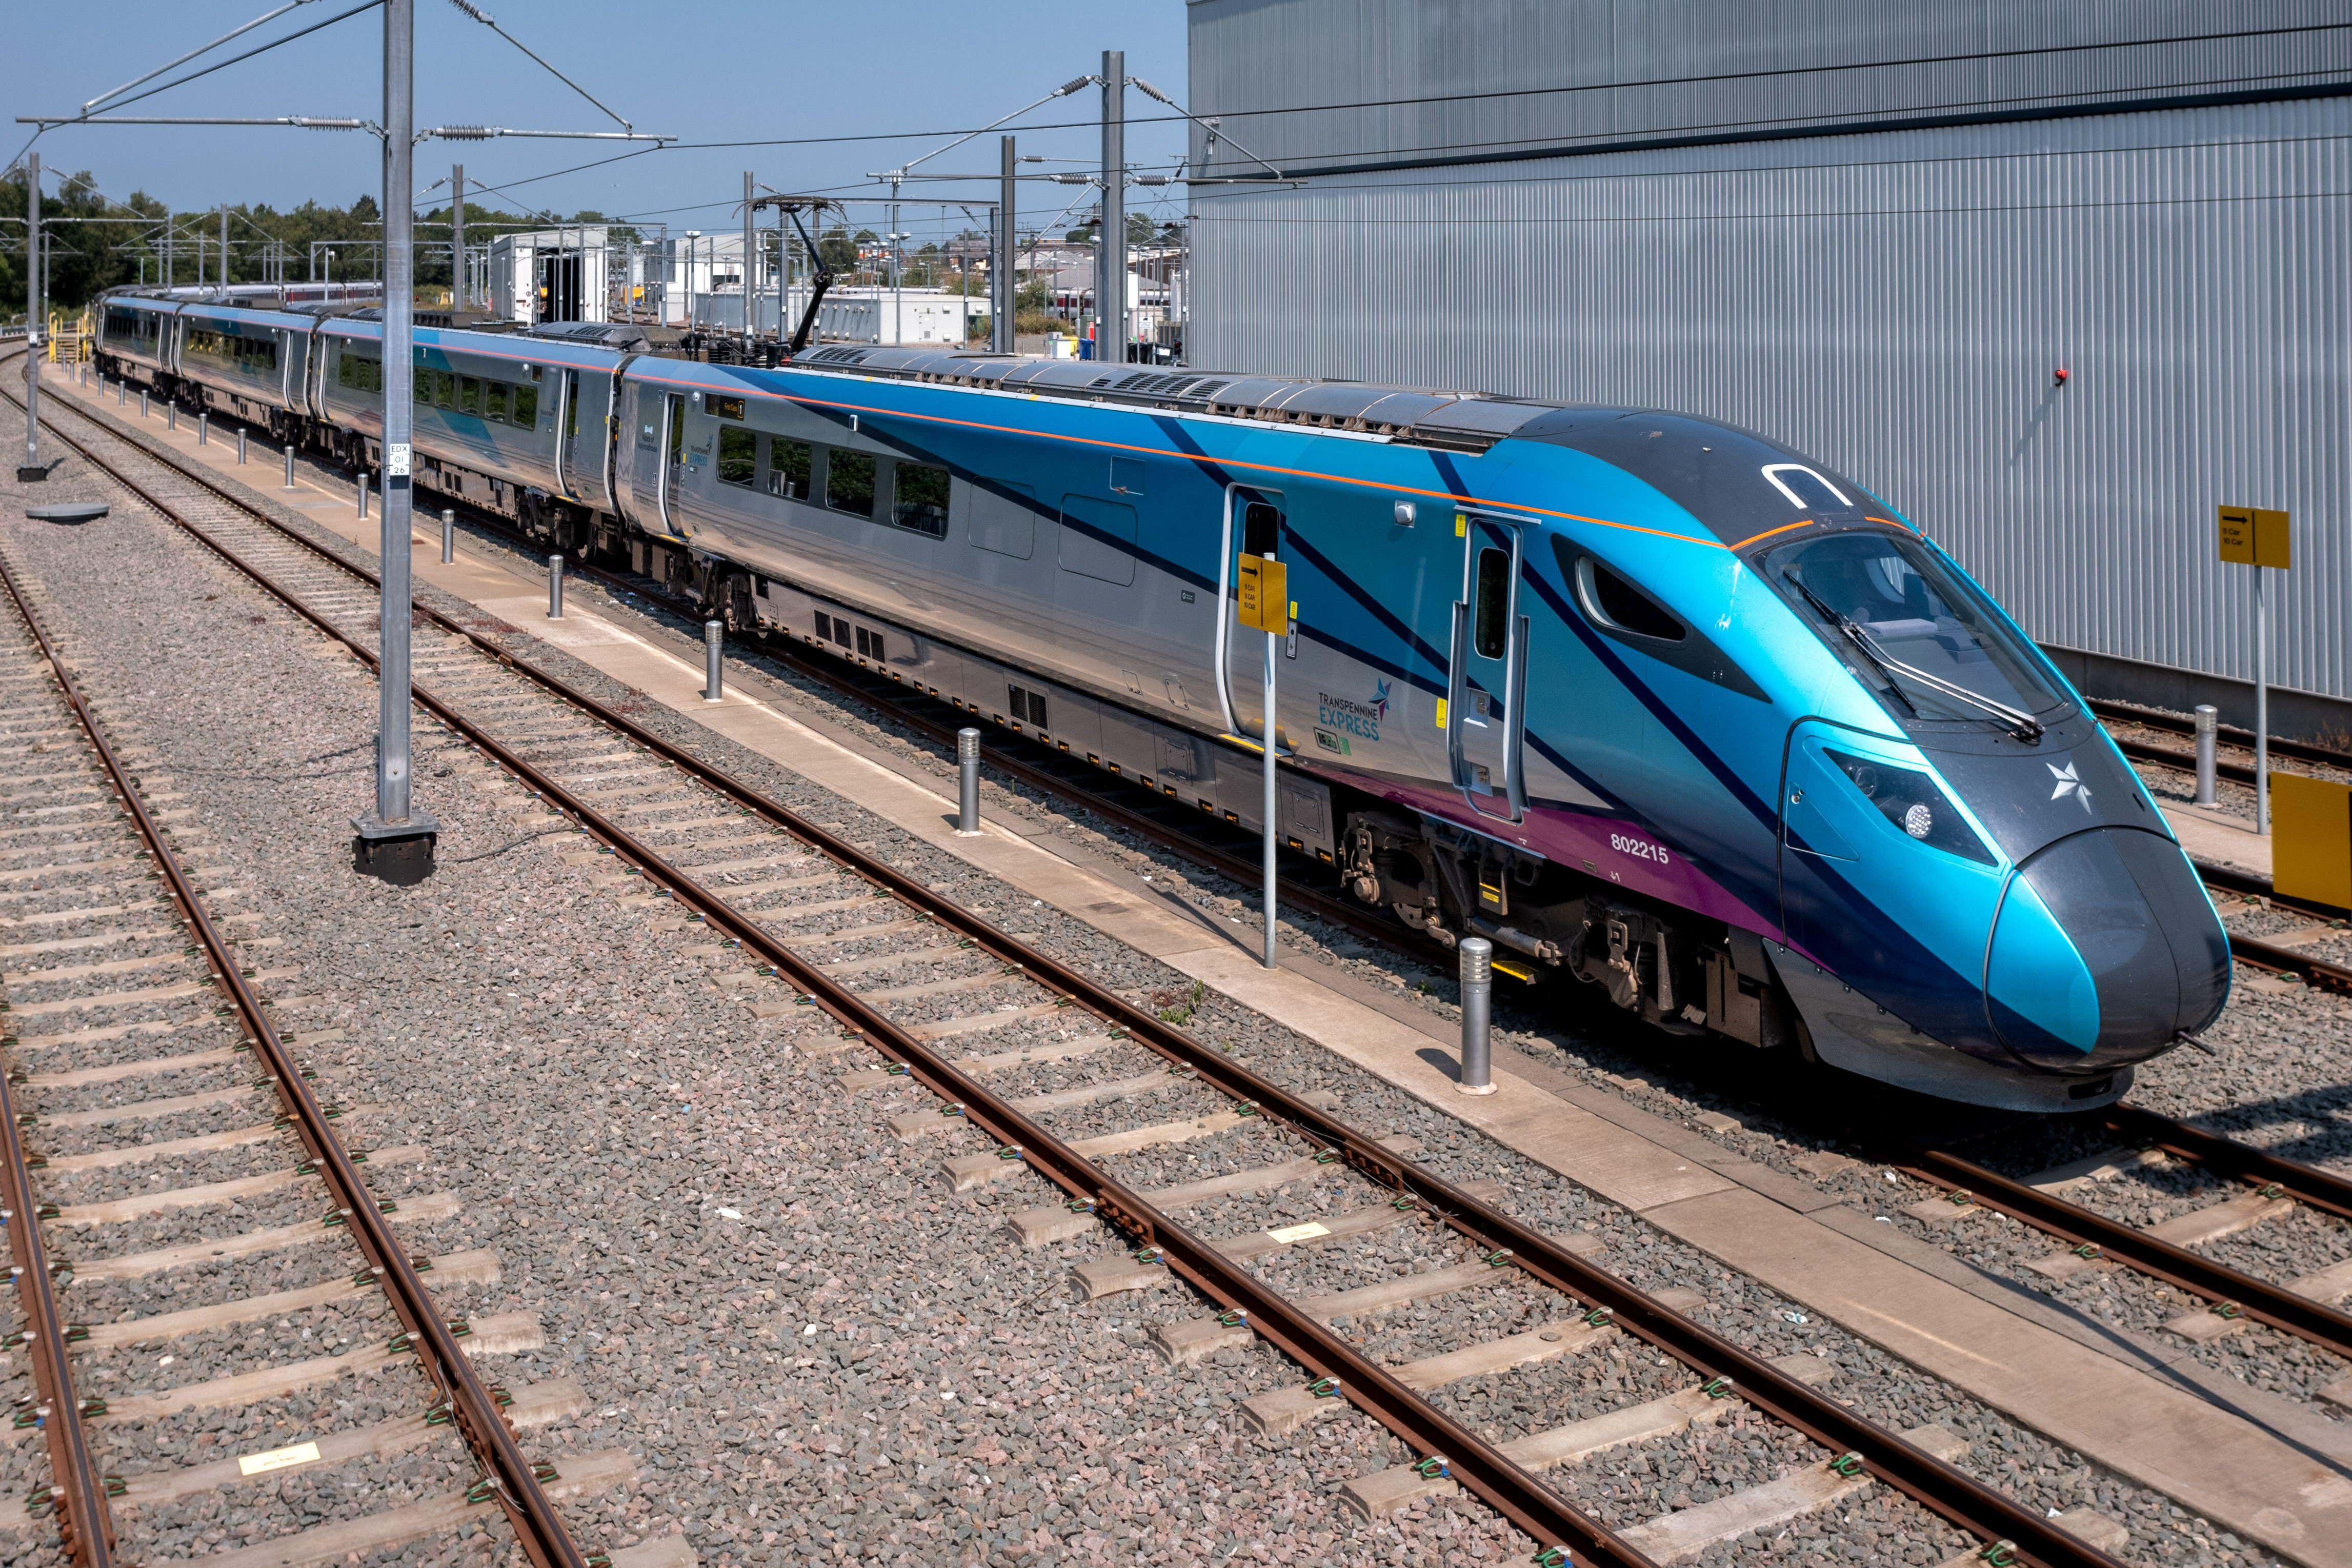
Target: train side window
column 345, row 364
column 739, row 456
column 423, row 389
column 1610, row 599
column 849, row 483
column 469, row 395
column 445, row 390
column 1491, row 626
column 494, row 401
column 526, row 408
column 1261, row 529
column 919, row 500
column 789, row 464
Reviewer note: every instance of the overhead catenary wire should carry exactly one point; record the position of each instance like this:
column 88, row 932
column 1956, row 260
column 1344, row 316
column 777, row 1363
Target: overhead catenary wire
column 476, row 13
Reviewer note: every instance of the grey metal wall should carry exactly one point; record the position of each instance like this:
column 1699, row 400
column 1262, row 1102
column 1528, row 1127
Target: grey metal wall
column 1317, row 83
column 1897, row 303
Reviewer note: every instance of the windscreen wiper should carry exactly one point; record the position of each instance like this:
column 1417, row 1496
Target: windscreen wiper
column 1853, row 635
column 2021, row 724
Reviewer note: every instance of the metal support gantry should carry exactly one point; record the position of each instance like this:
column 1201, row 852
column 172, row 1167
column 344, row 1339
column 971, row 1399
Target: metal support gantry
column 396, row 841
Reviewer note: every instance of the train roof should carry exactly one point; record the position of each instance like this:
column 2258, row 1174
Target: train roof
column 1466, row 421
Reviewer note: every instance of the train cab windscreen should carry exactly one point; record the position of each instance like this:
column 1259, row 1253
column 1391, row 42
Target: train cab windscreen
column 1931, row 647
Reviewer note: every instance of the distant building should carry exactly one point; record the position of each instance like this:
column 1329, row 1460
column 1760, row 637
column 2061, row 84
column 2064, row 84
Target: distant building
column 560, row 274
column 1888, row 263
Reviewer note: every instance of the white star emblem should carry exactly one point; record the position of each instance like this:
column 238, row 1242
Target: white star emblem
column 2066, row 782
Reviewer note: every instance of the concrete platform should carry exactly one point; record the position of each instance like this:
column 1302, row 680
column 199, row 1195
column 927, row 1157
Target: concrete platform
column 2271, row 1470
column 2209, row 834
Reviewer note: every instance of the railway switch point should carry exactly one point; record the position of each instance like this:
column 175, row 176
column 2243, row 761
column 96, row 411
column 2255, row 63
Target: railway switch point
column 967, row 782
column 714, row 660
column 1477, row 1017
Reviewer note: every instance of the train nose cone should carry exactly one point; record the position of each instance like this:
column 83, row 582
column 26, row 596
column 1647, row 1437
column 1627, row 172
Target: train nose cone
column 2106, row 951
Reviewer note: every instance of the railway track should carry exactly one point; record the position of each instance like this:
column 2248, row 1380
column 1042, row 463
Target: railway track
column 2229, row 735
column 96, row 894
column 936, row 997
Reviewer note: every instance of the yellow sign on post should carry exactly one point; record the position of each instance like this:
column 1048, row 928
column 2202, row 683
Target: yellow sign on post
column 2311, row 846
column 1264, row 597
column 2255, row 536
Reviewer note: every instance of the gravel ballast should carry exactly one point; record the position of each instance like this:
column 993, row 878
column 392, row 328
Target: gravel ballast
column 669, row 1184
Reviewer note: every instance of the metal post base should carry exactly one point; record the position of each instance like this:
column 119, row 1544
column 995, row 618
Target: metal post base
column 32, row 473
column 400, row 854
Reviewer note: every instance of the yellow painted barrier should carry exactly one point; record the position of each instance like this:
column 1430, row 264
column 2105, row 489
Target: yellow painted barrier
column 2311, row 838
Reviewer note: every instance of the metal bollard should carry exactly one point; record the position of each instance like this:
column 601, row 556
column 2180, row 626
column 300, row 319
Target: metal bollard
column 2208, row 721
column 448, row 534
column 205, row 429
column 714, row 660
column 362, row 492
column 555, row 586
column 240, row 443
column 967, row 783
column 290, row 466
column 143, row 402
column 1477, row 1017
column 171, row 416
column 123, row 394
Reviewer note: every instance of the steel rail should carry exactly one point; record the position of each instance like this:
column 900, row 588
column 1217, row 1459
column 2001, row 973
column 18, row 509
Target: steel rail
column 472, row 1409
column 2241, row 1161
column 1940, row 1487
column 76, row 1490
column 2228, row 734
column 1350, row 915
column 2199, row 1275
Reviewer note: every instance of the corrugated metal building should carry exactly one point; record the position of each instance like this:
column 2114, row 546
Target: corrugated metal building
column 1876, row 229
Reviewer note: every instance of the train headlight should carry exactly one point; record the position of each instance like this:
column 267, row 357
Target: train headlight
column 1913, row 802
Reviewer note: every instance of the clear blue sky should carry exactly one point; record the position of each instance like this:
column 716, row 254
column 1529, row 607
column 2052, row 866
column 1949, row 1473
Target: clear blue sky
column 704, row 70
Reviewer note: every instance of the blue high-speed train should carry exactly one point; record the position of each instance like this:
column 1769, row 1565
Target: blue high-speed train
column 1646, row 699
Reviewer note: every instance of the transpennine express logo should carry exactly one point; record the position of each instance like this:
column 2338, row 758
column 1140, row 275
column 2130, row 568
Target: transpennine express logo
column 1362, row 720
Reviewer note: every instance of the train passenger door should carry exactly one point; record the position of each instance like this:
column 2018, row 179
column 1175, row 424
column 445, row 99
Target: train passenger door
column 661, row 439
column 1486, row 690
column 1254, row 526
column 567, row 433
column 314, row 375
column 673, row 459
